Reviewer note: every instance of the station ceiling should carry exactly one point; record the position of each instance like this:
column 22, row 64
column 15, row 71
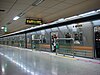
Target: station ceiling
column 47, row 10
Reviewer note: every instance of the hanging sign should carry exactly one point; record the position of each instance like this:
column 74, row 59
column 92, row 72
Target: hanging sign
column 33, row 22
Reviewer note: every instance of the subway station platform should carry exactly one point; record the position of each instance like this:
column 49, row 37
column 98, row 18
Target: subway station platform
column 20, row 61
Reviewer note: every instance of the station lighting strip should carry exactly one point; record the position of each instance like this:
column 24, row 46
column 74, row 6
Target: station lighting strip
column 83, row 15
column 66, row 19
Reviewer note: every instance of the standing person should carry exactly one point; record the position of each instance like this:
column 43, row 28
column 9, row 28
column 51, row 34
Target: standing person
column 54, row 37
column 97, row 43
column 81, row 38
column 76, row 39
column 52, row 43
column 67, row 36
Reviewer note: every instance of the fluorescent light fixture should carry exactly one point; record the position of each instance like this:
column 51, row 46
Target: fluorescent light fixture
column 96, row 22
column 71, row 18
column 98, row 10
column 61, row 20
column 16, row 18
column 37, row 2
column 88, row 14
column 2, row 27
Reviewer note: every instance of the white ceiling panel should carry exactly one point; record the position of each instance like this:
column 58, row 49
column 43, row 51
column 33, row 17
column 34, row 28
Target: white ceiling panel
column 7, row 1
column 75, row 10
column 25, row 2
column 19, row 24
column 57, row 8
column 49, row 3
column 6, row 4
column 60, row 0
column 48, row 10
column 35, row 11
column 74, row 1
column 16, row 8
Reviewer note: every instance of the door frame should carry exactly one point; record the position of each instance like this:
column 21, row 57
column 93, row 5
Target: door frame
column 95, row 52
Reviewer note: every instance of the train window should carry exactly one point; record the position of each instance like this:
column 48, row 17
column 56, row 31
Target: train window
column 43, row 38
column 74, row 31
column 62, row 30
column 42, row 32
column 97, row 28
column 48, row 35
column 96, row 22
column 54, row 29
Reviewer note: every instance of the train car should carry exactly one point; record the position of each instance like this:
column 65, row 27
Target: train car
column 83, row 44
column 86, row 42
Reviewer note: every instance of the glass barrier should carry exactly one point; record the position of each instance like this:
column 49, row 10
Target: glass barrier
column 65, row 46
column 35, row 44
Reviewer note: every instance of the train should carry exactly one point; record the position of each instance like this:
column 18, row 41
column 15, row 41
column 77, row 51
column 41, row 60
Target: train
column 82, row 31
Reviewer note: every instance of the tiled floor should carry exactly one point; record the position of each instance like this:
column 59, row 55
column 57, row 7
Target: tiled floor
column 18, row 61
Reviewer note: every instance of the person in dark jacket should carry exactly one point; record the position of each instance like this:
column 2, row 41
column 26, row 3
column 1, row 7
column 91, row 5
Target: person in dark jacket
column 67, row 36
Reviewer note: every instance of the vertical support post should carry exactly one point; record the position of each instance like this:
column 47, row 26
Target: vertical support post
column 73, row 47
column 25, row 40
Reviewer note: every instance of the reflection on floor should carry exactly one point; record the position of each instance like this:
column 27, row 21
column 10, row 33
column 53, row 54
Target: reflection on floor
column 18, row 61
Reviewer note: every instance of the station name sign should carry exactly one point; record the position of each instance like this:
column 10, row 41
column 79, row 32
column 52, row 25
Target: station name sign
column 33, row 22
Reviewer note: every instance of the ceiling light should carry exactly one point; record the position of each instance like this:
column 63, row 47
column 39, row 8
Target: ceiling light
column 71, row 18
column 88, row 14
column 2, row 27
column 98, row 10
column 37, row 2
column 16, row 18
